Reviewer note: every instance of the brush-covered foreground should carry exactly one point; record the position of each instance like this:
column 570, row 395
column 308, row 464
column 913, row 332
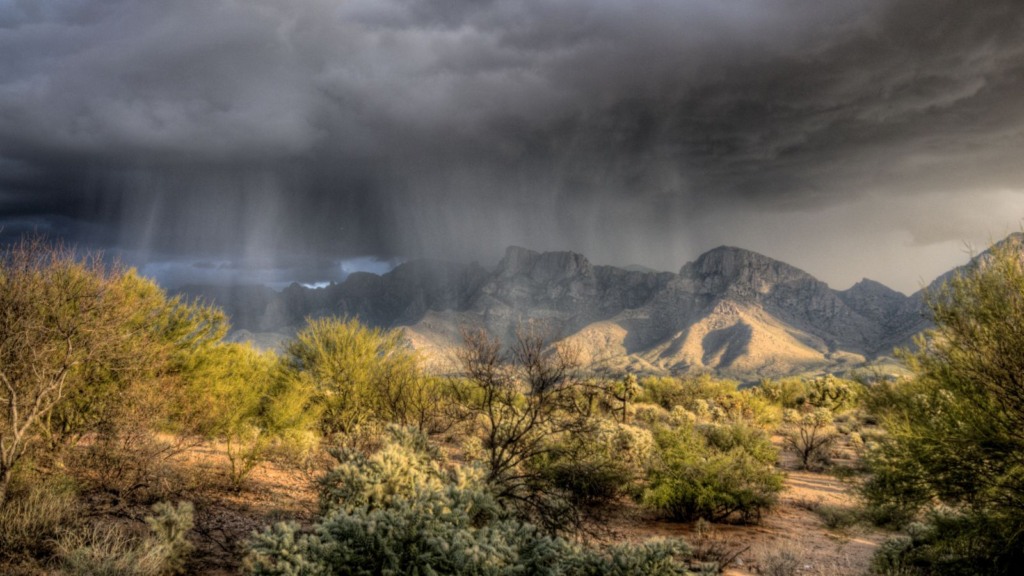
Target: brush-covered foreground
column 134, row 440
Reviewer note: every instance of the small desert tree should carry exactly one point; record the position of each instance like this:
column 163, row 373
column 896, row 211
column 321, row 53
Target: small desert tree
column 239, row 398
column 955, row 446
column 810, row 434
column 526, row 398
column 170, row 336
column 87, row 348
column 355, row 373
column 60, row 317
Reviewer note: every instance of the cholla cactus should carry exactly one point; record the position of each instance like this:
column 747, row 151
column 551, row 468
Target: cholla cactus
column 830, row 392
column 404, row 511
column 404, row 465
column 624, row 391
column 169, row 526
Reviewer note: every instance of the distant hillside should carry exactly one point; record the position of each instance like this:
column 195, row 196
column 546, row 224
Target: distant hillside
column 732, row 311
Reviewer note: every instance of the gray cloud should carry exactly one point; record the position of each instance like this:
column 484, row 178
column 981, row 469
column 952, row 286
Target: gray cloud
column 633, row 132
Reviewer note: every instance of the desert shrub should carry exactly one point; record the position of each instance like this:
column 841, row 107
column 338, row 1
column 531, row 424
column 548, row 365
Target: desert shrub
column 893, row 558
column 588, row 479
column 707, row 399
column 711, row 549
column 356, row 373
column 829, row 391
column 106, row 550
column 810, row 435
column 838, row 517
column 34, row 514
column 678, row 416
column 786, row 392
column 748, row 406
column 945, row 544
column 663, row 391
column 953, row 452
column 596, row 466
column 743, row 437
column 135, row 465
column 406, row 511
column 228, row 388
column 235, row 394
column 669, row 392
column 693, row 478
column 653, row 414
column 111, row 550
column 782, row 562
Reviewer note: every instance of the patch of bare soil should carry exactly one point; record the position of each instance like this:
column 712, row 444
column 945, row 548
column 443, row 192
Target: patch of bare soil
column 791, row 539
column 225, row 518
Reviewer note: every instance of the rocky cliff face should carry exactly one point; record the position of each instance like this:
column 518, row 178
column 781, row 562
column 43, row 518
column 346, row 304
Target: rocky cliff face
column 788, row 294
column 732, row 311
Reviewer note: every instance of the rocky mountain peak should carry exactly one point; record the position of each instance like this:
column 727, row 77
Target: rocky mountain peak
column 544, row 267
column 727, row 269
column 868, row 288
column 875, row 301
column 732, row 310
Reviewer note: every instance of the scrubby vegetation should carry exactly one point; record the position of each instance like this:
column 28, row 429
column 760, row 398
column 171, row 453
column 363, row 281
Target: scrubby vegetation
column 509, row 465
column 405, row 510
column 953, row 461
column 712, row 472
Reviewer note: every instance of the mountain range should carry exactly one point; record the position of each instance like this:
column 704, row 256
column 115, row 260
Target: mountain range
column 732, row 311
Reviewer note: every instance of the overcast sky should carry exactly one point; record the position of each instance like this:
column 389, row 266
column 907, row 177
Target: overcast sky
column 287, row 139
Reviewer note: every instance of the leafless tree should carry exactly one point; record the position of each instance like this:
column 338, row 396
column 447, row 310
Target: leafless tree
column 524, row 396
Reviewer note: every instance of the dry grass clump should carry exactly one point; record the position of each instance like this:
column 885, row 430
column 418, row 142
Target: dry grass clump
column 33, row 515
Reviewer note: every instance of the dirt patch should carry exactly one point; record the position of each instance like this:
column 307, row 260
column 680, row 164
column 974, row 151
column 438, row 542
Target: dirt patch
column 791, row 539
column 226, row 518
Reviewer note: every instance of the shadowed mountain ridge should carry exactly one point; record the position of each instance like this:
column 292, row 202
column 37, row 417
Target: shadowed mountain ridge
column 731, row 311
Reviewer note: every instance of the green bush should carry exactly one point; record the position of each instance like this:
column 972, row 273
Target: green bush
column 954, row 544
column 953, row 453
column 838, row 517
column 596, row 466
column 235, row 395
column 829, row 391
column 714, row 474
column 404, row 511
column 356, row 373
column 670, row 392
column 663, row 391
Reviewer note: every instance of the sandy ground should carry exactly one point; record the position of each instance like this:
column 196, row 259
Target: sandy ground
column 791, row 534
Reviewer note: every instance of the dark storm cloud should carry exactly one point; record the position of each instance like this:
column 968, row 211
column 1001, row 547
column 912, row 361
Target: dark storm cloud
column 631, row 131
